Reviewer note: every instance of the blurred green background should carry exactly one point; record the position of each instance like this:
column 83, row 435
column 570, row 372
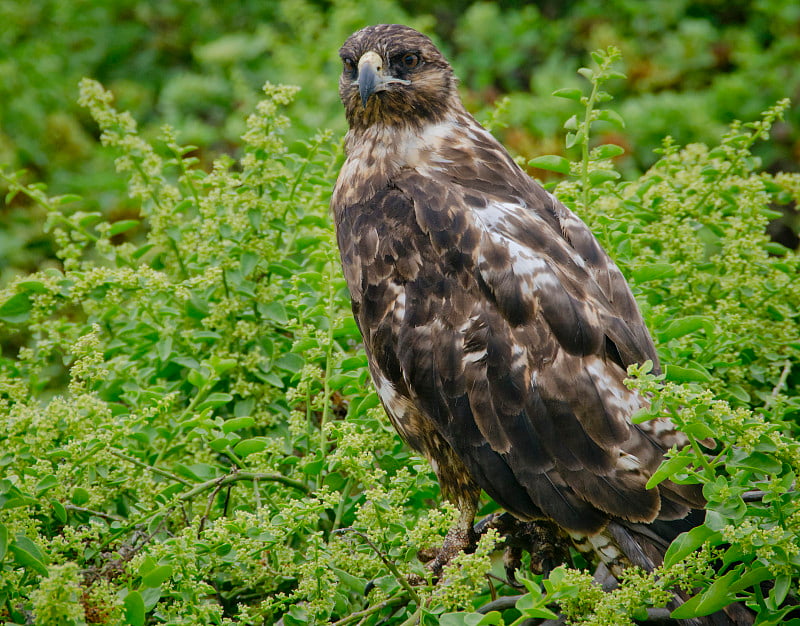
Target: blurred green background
column 198, row 65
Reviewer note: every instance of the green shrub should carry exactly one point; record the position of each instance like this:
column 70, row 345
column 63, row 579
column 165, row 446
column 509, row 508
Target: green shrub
column 188, row 434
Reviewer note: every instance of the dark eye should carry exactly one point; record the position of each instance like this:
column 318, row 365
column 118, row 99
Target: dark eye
column 410, row 60
column 349, row 65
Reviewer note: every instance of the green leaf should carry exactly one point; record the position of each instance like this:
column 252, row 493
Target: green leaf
column 667, row 469
column 760, row 462
column 470, row 619
column 750, row 578
column 574, row 139
column 353, row 583
column 157, row 576
column 214, row 400
column 28, row 554
column 219, row 444
column 684, row 326
column 698, row 430
column 607, row 151
column 32, row 286
column 612, row 117
column 3, row 541
column 122, row 226
column 571, row 123
column 598, row 177
column 570, row 93
column 273, row 311
column 716, row 597
column 134, row 609
column 16, row 309
column 79, row 496
column 779, row 592
column 679, row 374
column 59, row 511
column 48, row 482
column 686, row 543
column 249, row 446
column 551, row 162
column 237, row 423
column 654, row 271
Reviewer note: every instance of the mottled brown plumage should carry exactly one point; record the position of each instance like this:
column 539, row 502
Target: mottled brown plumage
column 498, row 330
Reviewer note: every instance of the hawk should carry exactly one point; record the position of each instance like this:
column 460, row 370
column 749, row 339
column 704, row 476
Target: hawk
column 498, row 331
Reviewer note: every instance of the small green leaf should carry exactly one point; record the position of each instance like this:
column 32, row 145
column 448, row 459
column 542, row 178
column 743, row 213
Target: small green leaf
column 16, row 309
column 570, row 93
column 59, row 511
column 654, row 271
column 716, row 597
column 79, row 496
column 612, row 117
column 237, row 423
column 778, row 593
column 574, row 139
column 157, row 576
column 598, row 177
column 134, row 609
column 667, row 469
column 214, row 400
column 684, row 326
column 221, row 365
column 760, row 462
column 679, row 374
column 32, row 286
column 686, row 543
column 249, row 446
column 607, row 151
column 551, row 162
column 750, row 578
column 219, row 444
column 48, row 482
column 122, row 226
column 351, row 582
column 273, row 311
column 28, row 554
column 698, row 430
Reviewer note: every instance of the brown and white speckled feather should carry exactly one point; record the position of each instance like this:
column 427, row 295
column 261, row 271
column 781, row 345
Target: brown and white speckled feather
column 497, row 329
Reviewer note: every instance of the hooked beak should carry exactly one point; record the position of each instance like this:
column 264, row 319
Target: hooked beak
column 371, row 78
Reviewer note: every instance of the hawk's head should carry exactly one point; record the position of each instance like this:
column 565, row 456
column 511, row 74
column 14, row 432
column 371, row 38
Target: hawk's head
column 395, row 76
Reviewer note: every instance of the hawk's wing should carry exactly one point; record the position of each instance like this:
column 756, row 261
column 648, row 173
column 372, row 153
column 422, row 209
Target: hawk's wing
column 491, row 315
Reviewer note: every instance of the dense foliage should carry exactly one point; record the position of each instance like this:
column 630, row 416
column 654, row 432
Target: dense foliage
column 187, row 430
column 693, row 66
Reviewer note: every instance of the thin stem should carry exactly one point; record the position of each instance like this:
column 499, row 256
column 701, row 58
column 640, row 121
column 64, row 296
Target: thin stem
column 395, row 600
column 152, row 468
column 586, row 128
column 787, row 367
column 108, row 516
column 348, row 486
column 326, row 407
column 391, row 566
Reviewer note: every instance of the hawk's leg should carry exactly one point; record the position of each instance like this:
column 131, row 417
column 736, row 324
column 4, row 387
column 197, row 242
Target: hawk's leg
column 460, row 538
column 547, row 545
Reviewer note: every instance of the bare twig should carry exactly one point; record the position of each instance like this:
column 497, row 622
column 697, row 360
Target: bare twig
column 397, row 600
column 656, row 615
column 152, row 468
column 108, row 516
column 787, row 367
column 392, row 567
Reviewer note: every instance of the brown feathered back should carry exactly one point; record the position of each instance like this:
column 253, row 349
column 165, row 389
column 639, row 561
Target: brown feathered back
column 498, row 331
